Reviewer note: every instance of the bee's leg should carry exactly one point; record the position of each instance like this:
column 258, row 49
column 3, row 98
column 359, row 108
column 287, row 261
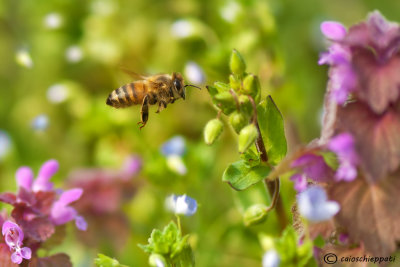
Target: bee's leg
column 144, row 112
column 162, row 105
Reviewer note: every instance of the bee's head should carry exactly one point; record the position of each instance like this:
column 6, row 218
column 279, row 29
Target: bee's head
column 177, row 79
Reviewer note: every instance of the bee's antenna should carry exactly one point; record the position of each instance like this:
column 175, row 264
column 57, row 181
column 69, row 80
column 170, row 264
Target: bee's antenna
column 192, row 86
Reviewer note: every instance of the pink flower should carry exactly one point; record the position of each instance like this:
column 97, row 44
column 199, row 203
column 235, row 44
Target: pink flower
column 62, row 213
column 343, row 146
column 25, row 176
column 14, row 236
column 364, row 61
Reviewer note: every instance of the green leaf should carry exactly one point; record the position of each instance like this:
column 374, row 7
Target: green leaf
column 255, row 214
column 251, row 157
column 171, row 233
column 158, row 243
column 272, row 130
column 221, row 87
column 240, row 176
column 105, row 261
column 304, row 253
column 185, row 258
column 212, row 90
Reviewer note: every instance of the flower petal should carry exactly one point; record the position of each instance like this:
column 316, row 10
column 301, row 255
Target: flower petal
column 70, row 196
column 48, row 169
column 333, row 30
column 174, row 146
column 26, row 253
column 16, row 257
column 81, row 223
column 24, row 177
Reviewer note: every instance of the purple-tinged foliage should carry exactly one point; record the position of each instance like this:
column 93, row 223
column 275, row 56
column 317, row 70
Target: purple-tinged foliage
column 365, row 61
column 106, row 192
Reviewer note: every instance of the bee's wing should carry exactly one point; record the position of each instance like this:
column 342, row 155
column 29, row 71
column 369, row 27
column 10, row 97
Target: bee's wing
column 133, row 74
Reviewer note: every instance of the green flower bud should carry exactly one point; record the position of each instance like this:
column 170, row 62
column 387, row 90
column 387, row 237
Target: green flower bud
column 212, row 131
column 225, row 102
column 238, row 120
column 155, row 260
column 222, row 87
column 245, row 105
column 251, row 86
column 237, row 64
column 247, row 136
column 234, row 82
column 255, row 214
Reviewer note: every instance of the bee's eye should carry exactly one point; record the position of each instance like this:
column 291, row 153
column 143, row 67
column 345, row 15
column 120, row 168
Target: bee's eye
column 177, row 84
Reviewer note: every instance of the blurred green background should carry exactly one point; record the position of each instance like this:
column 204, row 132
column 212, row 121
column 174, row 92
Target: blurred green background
column 61, row 58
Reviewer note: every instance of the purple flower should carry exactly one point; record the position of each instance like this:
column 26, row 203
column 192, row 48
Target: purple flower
column 364, row 61
column 14, row 236
column 24, row 176
column 132, row 165
column 62, row 213
column 300, row 182
column 314, row 206
column 333, row 30
column 310, row 166
column 343, row 146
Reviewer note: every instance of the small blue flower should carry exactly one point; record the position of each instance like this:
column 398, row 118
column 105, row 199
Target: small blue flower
column 314, row 205
column 271, row 259
column 5, row 144
column 181, row 205
column 174, row 146
column 40, row 122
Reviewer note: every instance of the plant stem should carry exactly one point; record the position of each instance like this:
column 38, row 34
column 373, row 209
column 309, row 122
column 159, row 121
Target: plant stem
column 274, row 185
column 178, row 220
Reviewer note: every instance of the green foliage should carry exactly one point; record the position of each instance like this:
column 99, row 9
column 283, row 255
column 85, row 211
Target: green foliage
column 170, row 244
column 291, row 253
column 105, row 261
column 247, row 137
column 237, row 64
column 239, row 175
column 255, row 214
column 272, row 130
column 212, row 131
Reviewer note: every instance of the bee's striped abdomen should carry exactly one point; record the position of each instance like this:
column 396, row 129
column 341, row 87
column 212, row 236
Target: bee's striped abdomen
column 127, row 95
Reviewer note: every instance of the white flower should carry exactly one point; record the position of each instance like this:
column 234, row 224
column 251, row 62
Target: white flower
column 182, row 29
column 230, row 11
column 57, row 93
column 194, row 73
column 53, row 20
column 181, row 205
column 23, row 58
column 176, row 164
column 271, row 259
column 74, row 54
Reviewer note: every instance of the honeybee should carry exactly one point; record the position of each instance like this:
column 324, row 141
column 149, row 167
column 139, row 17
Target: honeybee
column 160, row 89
